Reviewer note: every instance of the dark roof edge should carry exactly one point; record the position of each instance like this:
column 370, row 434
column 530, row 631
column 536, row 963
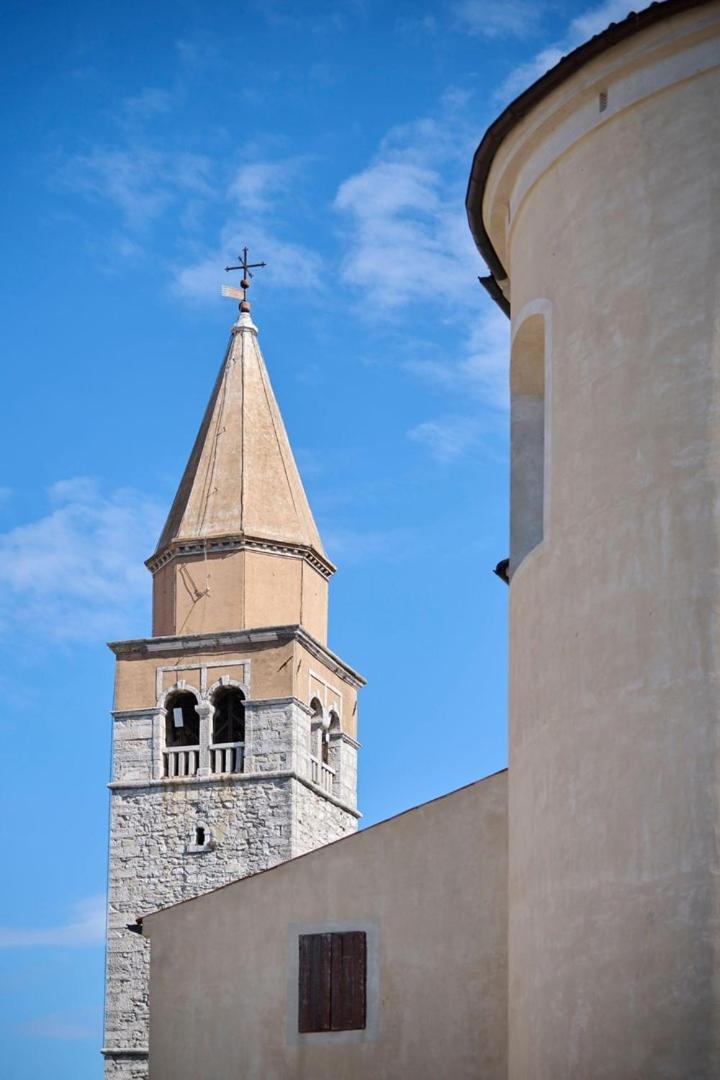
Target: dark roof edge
column 518, row 109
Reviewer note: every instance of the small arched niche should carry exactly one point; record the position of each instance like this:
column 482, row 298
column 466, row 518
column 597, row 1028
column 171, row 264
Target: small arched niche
column 228, row 724
column 182, row 723
column 527, row 439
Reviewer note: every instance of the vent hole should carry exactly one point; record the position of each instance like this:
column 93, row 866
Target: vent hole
column 602, row 101
column 200, row 836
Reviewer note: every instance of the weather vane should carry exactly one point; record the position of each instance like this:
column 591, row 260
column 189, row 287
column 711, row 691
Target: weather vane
column 241, row 293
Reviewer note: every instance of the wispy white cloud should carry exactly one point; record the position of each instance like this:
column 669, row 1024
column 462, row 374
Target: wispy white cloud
column 317, row 19
column 583, row 26
column 142, row 183
column 151, row 101
column 199, row 53
column 448, row 438
column 596, row 19
column 257, row 184
column 78, row 570
column 406, row 235
column 289, row 265
column 256, row 202
column 483, row 369
column 352, row 546
column 490, row 19
column 70, row 1025
column 407, row 244
column 86, row 926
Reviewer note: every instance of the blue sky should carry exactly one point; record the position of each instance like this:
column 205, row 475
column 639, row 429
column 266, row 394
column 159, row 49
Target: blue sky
column 144, row 144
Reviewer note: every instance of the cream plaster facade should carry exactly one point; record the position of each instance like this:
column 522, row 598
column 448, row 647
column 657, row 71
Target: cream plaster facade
column 602, row 204
column 429, row 889
column 232, row 609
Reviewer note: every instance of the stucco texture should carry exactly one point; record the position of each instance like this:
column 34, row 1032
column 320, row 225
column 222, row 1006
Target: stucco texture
column 608, row 221
column 432, row 882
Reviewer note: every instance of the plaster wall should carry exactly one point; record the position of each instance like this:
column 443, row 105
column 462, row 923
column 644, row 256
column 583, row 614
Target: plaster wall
column 287, row 669
column 609, row 220
column 429, row 886
column 238, row 589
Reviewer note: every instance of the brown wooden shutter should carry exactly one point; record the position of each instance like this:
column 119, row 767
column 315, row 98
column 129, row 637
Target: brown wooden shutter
column 332, row 981
column 348, row 981
column 314, row 987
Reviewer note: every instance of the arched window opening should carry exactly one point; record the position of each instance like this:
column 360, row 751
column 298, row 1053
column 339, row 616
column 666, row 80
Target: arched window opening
column 316, row 729
column 229, row 716
column 199, row 836
column 182, row 723
column 334, row 723
column 527, row 439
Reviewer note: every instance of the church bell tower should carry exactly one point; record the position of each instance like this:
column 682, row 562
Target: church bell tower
column 234, row 725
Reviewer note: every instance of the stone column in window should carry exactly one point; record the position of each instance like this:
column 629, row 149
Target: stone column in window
column 204, row 710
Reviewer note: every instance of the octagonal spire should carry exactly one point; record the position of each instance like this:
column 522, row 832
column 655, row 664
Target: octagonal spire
column 241, row 479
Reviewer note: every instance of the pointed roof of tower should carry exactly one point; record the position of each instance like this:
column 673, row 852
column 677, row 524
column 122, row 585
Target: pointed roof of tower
column 241, row 479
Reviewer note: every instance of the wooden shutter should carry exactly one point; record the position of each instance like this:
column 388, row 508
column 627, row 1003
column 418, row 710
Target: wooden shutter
column 314, row 982
column 348, row 981
column 332, row 981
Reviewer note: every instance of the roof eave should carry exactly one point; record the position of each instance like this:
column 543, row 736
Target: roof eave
column 518, row 109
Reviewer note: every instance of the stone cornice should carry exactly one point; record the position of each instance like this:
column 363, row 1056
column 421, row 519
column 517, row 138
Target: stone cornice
column 232, row 639
column 221, row 545
column 233, row 778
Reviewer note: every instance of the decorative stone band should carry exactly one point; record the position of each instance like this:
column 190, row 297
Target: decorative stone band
column 239, row 542
column 234, row 639
column 237, row 778
column 125, row 1051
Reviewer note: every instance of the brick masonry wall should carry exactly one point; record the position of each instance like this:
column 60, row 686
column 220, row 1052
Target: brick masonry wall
column 252, row 821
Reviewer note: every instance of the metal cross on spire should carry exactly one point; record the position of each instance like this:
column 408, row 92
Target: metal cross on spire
column 241, row 293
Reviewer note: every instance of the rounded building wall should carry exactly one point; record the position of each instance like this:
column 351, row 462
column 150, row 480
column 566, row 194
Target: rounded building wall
column 603, row 205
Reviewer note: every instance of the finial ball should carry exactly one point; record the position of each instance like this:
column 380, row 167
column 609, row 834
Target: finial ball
column 244, row 284
column 244, row 305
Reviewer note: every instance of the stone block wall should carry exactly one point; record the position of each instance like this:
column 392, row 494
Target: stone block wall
column 251, row 821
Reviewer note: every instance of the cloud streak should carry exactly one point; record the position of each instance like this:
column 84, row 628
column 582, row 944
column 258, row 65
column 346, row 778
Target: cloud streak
column 406, row 238
column 67, row 1026
column 410, row 256
column 489, row 19
column 590, row 22
column 141, row 182
column 78, row 569
column 254, row 205
column 85, row 927
column 448, row 438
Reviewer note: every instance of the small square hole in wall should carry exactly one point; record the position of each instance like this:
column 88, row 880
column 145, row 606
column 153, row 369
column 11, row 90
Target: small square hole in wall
column 602, row 101
column 200, row 840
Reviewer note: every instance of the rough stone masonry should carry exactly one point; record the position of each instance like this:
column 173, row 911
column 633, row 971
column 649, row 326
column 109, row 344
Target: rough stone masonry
column 250, row 821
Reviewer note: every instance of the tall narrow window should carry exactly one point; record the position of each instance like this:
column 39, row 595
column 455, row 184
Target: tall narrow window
column 316, row 729
column 182, row 723
column 229, row 715
column 527, row 439
column 332, row 991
